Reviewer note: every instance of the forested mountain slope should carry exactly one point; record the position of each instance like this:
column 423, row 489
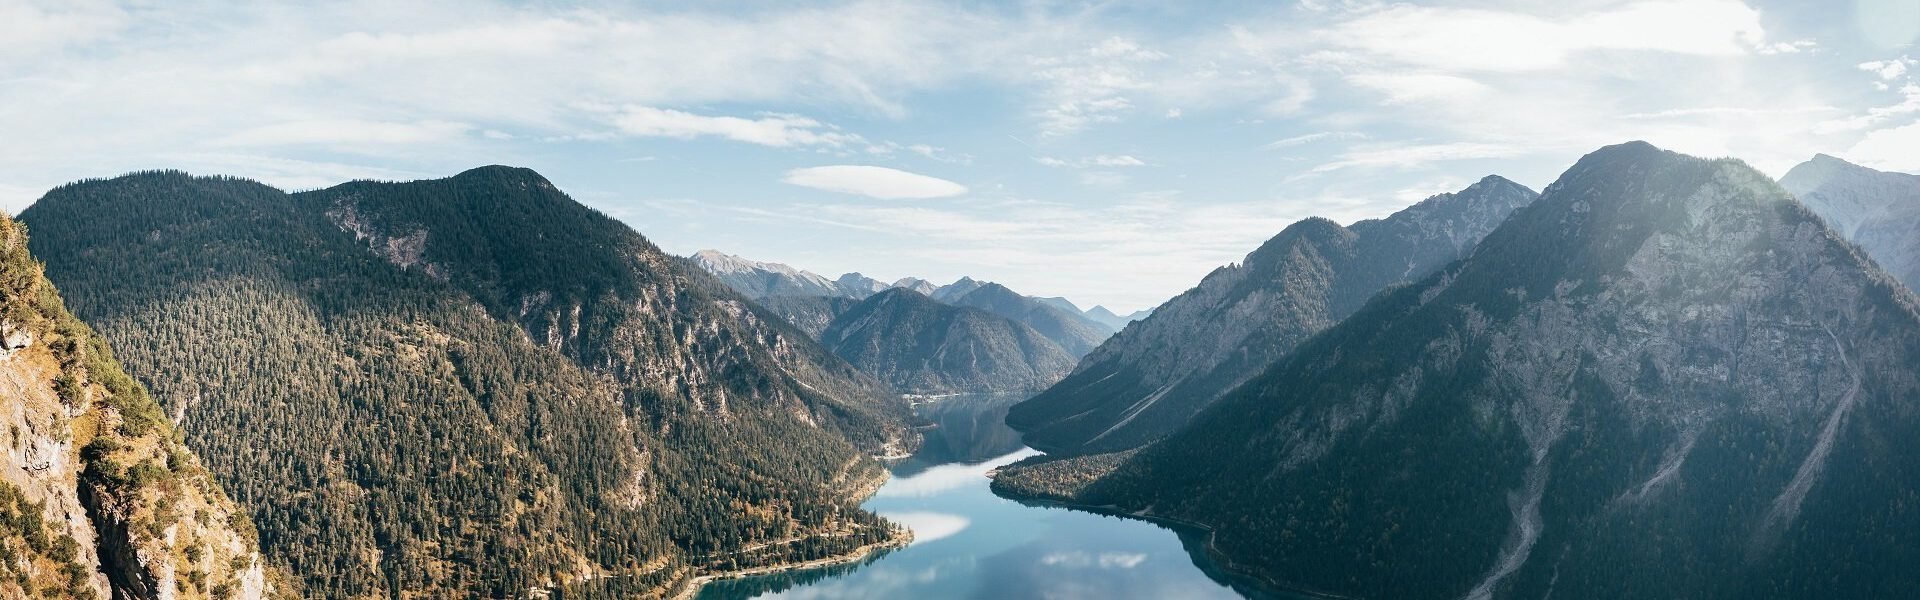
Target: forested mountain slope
column 1150, row 379
column 470, row 386
column 98, row 497
column 925, row 347
column 1665, row 378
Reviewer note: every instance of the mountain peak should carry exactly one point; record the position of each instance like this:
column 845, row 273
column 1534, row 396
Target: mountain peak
column 505, row 172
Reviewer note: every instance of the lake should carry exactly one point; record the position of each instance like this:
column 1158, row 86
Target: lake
column 970, row 543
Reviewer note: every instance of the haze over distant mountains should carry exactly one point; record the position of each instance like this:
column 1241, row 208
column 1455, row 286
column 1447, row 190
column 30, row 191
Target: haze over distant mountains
column 758, row 280
column 923, row 346
column 1878, row 210
column 1153, row 377
column 1666, row 377
column 966, row 336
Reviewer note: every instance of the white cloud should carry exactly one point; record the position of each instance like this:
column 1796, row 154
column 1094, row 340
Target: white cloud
column 1491, row 40
column 1405, row 88
column 29, row 27
column 1317, row 136
column 1892, row 149
column 1412, row 156
column 876, row 182
column 1095, row 161
column 775, row 130
column 1890, row 69
column 1909, row 104
column 346, row 132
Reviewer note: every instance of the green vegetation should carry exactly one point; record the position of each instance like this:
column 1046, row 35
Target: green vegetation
column 922, row 346
column 468, row 387
column 129, row 509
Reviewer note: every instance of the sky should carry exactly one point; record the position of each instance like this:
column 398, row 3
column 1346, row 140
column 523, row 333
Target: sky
column 1110, row 152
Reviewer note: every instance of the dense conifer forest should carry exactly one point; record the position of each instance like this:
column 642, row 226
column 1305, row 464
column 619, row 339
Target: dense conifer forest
column 471, row 386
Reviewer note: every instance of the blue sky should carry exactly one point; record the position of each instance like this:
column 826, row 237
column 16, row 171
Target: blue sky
column 1110, row 152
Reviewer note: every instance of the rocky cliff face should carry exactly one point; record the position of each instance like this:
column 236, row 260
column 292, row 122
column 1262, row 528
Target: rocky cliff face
column 98, row 499
column 1664, row 378
column 1151, row 378
column 1878, row 210
column 925, row 347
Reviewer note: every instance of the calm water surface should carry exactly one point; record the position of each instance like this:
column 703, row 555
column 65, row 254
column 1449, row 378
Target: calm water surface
column 970, row 543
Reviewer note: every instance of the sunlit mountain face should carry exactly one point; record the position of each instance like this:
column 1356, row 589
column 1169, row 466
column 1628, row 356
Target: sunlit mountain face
column 938, row 299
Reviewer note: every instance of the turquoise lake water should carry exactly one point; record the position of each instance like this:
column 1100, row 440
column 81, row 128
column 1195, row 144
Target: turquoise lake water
column 970, row 543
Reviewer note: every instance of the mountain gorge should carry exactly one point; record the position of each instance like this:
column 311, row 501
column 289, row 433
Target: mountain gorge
column 1878, row 210
column 1150, row 379
column 1664, row 378
column 472, row 386
column 98, row 497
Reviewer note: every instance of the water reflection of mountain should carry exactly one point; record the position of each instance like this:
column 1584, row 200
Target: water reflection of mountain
column 964, row 429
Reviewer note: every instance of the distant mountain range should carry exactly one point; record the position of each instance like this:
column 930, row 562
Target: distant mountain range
column 1666, row 377
column 926, row 347
column 762, row 280
column 1878, row 210
column 1152, row 378
column 934, row 347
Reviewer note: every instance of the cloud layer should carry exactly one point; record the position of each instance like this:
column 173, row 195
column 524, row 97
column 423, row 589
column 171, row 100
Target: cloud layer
column 1110, row 152
column 874, row 182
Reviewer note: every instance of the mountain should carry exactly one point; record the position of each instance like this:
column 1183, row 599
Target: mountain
column 1105, row 317
column 922, row 346
column 1071, row 331
column 857, row 286
column 1878, row 210
column 917, row 284
column 758, row 280
column 98, row 497
column 472, row 386
column 1153, row 377
column 953, row 291
column 1063, row 304
column 810, row 314
column 1664, row 378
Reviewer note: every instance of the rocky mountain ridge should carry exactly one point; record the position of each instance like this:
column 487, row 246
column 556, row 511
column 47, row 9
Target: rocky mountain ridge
column 1151, row 378
column 1666, row 377
column 1878, row 210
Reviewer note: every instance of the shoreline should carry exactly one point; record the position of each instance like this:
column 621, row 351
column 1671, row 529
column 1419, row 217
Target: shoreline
column 900, row 539
column 692, row 587
column 1212, row 552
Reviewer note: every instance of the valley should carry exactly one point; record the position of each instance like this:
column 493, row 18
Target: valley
column 1491, row 393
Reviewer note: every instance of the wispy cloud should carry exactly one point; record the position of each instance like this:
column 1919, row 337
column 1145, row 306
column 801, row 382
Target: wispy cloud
column 1493, row 40
column 1411, row 156
column 875, row 182
column 1106, row 161
column 775, row 130
column 1318, row 136
column 346, row 132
